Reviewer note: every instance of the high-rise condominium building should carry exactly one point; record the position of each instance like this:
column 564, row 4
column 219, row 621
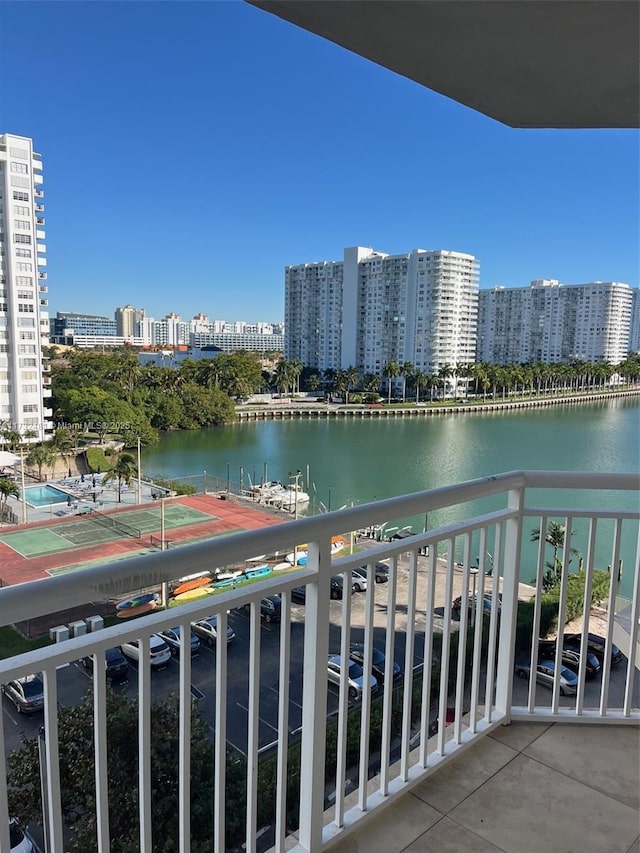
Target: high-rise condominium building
column 372, row 308
column 128, row 321
column 634, row 336
column 550, row 322
column 24, row 325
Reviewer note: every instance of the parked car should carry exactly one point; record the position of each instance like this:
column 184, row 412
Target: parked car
column 570, row 656
column 19, row 842
column 299, row 594
column 27, row 694
column 173, row 638
column 355, row 676
column 545, row 675
column 337, row 586
column 596, row 645
column 270, row 607
column 378, row 662
column 359, row 579
column 207, row 630
column 487, row 603
column 116, row 666
column 382, row 572
column 159, row 651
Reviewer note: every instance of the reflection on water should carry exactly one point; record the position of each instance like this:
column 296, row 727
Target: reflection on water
column 364, row 460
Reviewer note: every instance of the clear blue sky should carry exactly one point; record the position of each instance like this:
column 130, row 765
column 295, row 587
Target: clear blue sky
column 192, row 150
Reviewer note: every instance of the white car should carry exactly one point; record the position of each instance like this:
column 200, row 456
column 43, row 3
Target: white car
column 160, row 651
column 19, row 842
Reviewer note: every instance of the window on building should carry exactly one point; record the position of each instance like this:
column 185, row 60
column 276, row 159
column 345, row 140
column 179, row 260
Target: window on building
column 26, row 349
column 30, row 407
column 24, row 281
column 28, row 362
column 24, row 267
column 20, row 196
column 25, row 307
column 22, row 238
column 20, row 168
column 26, row 322
column 27, row 336
column 21, row 210
column 30, row 389
column 22, row 224
column 23, row 253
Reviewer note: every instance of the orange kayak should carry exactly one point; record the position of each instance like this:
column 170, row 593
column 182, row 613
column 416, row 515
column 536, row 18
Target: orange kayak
column 189, row 585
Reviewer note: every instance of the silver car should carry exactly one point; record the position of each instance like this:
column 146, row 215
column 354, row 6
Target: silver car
column 207, row 630
column 355, row 676
column 545, row 674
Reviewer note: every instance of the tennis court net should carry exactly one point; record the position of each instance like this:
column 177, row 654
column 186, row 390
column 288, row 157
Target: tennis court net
column 114, row 524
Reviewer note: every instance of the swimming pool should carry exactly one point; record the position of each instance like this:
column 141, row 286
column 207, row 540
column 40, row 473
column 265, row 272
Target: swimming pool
column 44, row 496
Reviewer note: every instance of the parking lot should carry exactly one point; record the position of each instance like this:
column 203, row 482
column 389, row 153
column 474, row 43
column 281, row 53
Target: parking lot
column 74, row 681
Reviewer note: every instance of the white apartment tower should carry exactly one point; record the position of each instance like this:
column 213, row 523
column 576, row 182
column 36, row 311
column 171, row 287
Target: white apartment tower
column 550, row 323
column 373, row 308
column 24, row 325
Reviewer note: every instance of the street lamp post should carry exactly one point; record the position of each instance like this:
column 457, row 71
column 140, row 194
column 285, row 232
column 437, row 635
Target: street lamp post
column 139, row 474
column 24, row 496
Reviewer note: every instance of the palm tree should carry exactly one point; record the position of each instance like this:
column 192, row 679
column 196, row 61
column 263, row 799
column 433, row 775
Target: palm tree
column 405, row 372
column 41, row 454
column 444, row 373
column 390, row 371
column 554, row 536
column 352, row 376
column 419, row 380
column 123, row 471
column 296, row 367
column 7, row 489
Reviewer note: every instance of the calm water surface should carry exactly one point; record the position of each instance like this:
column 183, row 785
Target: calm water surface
column 361, row 460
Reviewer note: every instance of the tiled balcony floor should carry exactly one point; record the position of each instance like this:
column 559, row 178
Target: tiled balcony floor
column 526, row 788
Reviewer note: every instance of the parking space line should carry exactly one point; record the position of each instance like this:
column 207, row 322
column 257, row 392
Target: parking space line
column 273, row 728
column 291, row 701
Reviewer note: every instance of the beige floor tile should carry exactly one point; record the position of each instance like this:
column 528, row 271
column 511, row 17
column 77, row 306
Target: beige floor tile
column 463, row 775
column 518, row 735
column 393, row 829
column 449, row 837
column 604, row 757
column 528, row 807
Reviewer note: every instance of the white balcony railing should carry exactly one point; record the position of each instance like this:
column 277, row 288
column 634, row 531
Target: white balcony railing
column 469, row 681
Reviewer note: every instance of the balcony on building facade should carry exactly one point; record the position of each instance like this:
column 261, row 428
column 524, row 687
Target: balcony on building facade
column 39, row 208
column 333, row 777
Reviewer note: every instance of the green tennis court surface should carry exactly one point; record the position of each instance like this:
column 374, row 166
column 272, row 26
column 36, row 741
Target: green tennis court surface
column 82, row 533
column 77, row 567
column 34, row 543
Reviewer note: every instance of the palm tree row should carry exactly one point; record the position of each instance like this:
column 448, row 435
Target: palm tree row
column 483, row 378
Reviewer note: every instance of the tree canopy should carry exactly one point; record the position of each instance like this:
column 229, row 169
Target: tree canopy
column 77, row 779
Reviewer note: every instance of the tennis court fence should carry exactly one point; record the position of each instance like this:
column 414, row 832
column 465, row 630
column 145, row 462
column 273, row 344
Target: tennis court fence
column 114, row 524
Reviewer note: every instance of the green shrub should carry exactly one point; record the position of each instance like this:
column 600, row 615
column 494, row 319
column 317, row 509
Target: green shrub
column 96, row 459
column 550, row 605
column 174, row 485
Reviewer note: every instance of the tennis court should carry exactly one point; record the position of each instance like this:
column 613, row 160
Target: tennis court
column 101, row 529
column 78, row 542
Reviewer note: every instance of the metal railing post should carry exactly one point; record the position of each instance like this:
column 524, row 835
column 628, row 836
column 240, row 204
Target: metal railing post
column 509, row 608
column 314, row 698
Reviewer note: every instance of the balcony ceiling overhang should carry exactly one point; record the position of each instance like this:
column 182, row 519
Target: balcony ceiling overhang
column 526, row 63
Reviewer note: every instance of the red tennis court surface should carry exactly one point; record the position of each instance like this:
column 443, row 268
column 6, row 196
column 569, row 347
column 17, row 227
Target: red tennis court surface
column 226, row 517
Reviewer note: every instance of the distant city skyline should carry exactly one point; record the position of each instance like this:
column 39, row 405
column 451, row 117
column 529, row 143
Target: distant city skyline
column 193, row 153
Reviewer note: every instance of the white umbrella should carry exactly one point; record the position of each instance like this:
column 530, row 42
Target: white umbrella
column 7, row 458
